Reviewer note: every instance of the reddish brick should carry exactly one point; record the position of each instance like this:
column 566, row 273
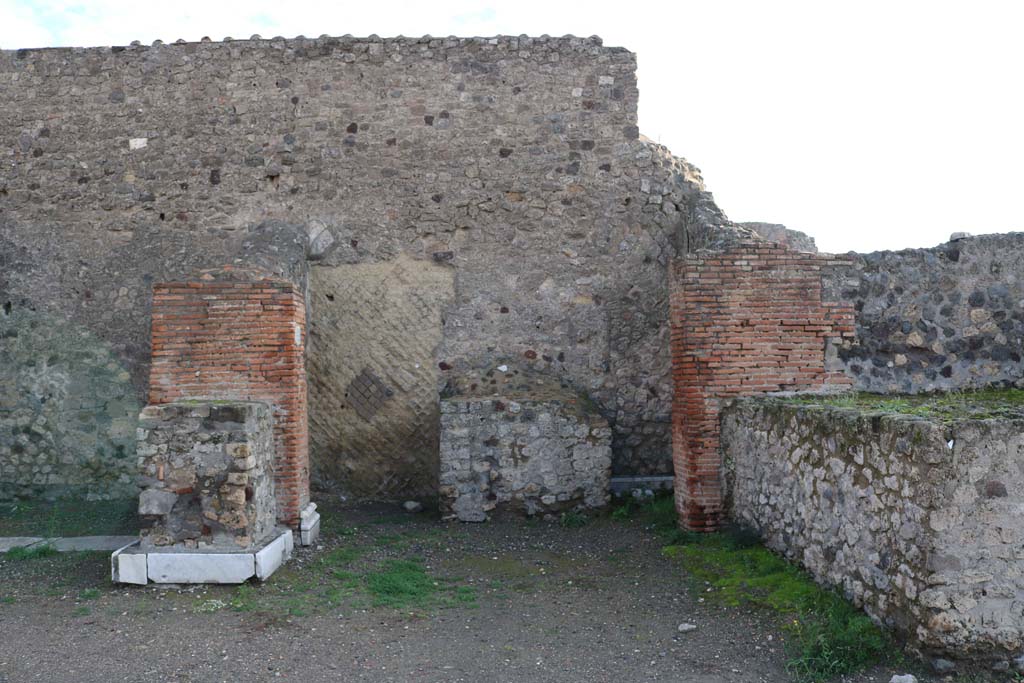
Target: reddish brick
column 236, row 340
column 746, row 321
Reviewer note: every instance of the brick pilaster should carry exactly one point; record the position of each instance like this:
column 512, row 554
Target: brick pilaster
column 224, row 339
column 745, row 321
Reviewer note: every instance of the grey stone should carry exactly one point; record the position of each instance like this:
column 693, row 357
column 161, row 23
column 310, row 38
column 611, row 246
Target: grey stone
column 903, row 678
column 321, row 240
column 91, row 543
column 413, row 506
column 774, row 232
column 686, row 627
column 184, row 567
column 156, row 501
column 12, row 542
column 943, row 666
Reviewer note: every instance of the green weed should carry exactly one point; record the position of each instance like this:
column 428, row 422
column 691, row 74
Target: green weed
column 943, row 407
column 89, row 594
column 829, row 637
column 351, row 577
column 404, row 584
column 34, row 552
column 573, row 519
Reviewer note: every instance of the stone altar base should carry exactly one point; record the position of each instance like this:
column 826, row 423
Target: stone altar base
column 207, row 503
column 137, row 565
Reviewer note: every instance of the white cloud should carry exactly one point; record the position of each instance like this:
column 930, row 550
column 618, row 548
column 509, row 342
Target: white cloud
column 868, row 125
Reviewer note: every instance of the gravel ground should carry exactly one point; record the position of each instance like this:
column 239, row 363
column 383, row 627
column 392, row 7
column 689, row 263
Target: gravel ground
column 538, row 602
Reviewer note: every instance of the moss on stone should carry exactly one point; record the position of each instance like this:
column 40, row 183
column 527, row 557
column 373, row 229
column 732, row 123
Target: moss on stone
column 983, row 404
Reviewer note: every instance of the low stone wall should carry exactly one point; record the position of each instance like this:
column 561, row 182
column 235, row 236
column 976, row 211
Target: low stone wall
column 530, row 456
column 917, row 522
column 207, row 474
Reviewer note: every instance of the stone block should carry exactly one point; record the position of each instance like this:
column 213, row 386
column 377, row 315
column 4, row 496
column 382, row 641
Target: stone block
column 156, row 501
column 91, row 543
column 531, row 450
column 12, row 542
column 174, row 567
column 309, row 525
column 129, row 567
column 273, row 555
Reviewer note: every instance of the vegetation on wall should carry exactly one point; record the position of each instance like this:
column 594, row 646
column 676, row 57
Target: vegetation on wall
column 982, row 404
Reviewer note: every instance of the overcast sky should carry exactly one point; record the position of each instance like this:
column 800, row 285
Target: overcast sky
column 869, row 125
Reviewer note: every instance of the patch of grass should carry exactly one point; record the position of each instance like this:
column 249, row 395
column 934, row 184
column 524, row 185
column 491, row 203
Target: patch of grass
column 69, row 517
column 942, row 407
column 34, row 552
column 389, row 539
column 89, row 594
column 828, row 636
column 82, row 611
column 352, row 577
column 343, row 556
column 573, row 520
column 244, row 599
column 404, row 584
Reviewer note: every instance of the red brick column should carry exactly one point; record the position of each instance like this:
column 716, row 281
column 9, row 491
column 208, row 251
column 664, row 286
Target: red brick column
column 224, row 339
column 745, row 321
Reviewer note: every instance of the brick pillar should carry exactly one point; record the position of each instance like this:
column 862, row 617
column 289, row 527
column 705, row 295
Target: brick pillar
column 745, row 321
column 239, row 340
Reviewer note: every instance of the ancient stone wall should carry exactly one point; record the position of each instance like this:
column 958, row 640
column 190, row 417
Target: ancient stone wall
column 67, row 411
column 746, row 320
column 535, row 450
column 917, row 522
column 207, row 474
column 514, row 162
column 950, row 317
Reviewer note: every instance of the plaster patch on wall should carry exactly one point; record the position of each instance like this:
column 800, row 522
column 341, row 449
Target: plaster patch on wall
column 373, row 391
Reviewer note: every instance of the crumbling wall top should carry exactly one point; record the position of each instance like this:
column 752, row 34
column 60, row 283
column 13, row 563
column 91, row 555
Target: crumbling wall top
column 501, row 46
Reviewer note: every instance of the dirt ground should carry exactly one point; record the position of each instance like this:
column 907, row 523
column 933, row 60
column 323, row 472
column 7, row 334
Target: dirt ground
column 389, row 596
